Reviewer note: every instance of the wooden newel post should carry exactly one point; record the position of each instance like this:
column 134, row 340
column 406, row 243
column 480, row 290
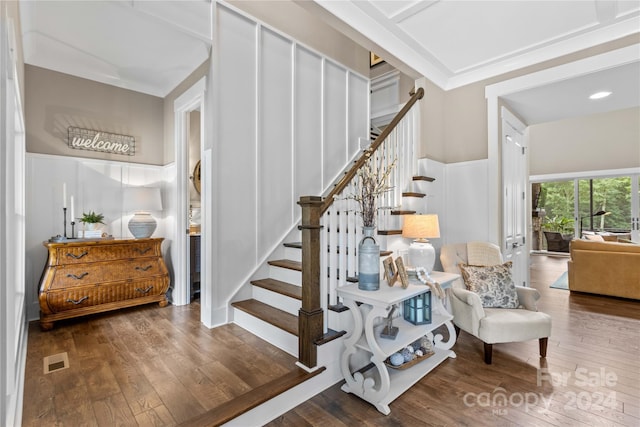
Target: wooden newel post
column 310, row 317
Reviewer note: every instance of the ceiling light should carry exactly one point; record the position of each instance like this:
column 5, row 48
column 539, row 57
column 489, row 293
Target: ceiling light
column 599, row 95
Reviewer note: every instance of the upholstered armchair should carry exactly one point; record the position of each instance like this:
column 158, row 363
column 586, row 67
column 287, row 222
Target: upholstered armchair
column 492, row 325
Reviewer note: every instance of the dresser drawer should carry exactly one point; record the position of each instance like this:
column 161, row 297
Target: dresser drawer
column 87, row 296
column 83, row 277
column 70, row 276
column 94, row 253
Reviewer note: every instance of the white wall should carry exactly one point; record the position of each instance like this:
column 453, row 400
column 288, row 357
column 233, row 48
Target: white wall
column 604, row 141
column 96, row 185
column 13, row 326
column 285, row 122
column 467, row 202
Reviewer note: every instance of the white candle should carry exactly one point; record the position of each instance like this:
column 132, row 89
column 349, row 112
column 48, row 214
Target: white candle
column 72, row 214
column 64, row 194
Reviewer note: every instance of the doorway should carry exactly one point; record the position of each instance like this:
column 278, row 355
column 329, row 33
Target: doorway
column 190, row 235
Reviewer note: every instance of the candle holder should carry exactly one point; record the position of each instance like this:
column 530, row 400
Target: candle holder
column 64, row 222
column 73, row 231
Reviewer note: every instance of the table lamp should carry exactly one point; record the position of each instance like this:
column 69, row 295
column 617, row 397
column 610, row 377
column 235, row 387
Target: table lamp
column 142, row 201
column 421, row 228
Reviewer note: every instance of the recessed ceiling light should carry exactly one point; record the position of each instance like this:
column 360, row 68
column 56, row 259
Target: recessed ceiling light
column 599, row 95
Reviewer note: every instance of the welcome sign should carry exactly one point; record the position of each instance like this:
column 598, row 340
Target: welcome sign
column 104, row 142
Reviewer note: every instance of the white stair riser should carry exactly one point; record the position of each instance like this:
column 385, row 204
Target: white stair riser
column 279, row 301
column 342, row 321
column 293, row 254
column 272, row 334
column 285, row 275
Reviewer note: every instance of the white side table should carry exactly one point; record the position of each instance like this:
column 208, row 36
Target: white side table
column 381, row 385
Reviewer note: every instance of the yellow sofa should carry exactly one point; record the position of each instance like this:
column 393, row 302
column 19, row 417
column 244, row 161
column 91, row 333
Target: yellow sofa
column 605, row 268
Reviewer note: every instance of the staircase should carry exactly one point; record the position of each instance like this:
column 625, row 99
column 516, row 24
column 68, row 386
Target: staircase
column 272, row 311
column 292, row 303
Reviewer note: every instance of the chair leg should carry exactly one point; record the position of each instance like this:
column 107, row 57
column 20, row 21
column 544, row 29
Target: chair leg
column 488, row 352
column 543, row 346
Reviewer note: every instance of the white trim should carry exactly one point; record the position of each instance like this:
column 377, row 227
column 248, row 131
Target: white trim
column 611, row 59
column 606, row 173
column 190, row 100
column 367, row 20
column 90, row 159
column 545, row 53
column 493, row 92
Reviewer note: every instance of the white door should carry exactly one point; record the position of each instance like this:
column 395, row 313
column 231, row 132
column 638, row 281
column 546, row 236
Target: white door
column 514, row 182
column 635, row 208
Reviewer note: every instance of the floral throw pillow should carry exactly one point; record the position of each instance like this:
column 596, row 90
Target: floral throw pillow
column 493, row 284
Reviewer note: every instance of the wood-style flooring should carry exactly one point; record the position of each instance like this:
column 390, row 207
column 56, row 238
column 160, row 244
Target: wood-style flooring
column 160, row 366
column 591, row 376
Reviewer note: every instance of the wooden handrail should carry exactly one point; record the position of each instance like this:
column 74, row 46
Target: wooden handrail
column 348, row 176
column 311, row 313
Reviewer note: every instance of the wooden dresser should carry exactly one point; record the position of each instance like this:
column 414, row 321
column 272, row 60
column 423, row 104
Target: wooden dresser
column 92, row 276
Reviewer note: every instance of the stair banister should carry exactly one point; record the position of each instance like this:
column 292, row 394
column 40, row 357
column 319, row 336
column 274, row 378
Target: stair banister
column 311, row 314
column 344, row 181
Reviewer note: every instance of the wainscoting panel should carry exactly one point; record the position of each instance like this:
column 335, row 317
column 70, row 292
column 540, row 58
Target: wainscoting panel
column 308, row 129
column 467, row 204
column 96, row 185
column 335, row 143
column 288, row 120
column 236, row 141
column 275, row 146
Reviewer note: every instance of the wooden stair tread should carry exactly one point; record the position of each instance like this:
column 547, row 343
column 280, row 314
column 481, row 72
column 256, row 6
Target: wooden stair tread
column 295, row 245
column 276, row 317
column 329, row 336
column 389, row 232
column 279, row 287
column 423, row 178
column 251, row 399
column 287, row 263
column 403, row 212
column 413, row 194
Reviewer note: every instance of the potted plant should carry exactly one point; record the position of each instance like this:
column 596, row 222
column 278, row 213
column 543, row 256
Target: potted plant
column 558, row 231
column 91, row 219
column 559, row 224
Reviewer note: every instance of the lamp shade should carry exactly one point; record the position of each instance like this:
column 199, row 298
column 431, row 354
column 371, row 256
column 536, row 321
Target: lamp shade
column 421, row 226
column 142, row 200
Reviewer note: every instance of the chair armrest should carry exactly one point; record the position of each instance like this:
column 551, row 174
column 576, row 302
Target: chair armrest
column 467, row 309
column 528, row 297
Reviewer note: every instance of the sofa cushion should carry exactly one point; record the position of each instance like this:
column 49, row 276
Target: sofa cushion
column 493, row 284
column 594, row 237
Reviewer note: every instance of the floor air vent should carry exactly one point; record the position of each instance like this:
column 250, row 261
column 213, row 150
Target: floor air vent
column 56, row 362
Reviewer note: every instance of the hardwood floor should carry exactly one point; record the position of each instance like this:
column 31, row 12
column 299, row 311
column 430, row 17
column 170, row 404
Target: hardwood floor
column 145, row 366
column 591, row 375
column 160, row 366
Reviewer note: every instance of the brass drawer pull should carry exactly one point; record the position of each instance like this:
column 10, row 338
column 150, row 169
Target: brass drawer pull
column 78, row 256
column 144, row 291
column 77, row 277
column 144, row 268
column 142, row 251
column 80, row 301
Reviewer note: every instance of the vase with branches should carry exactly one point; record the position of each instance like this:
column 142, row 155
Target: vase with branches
column 371, row 182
